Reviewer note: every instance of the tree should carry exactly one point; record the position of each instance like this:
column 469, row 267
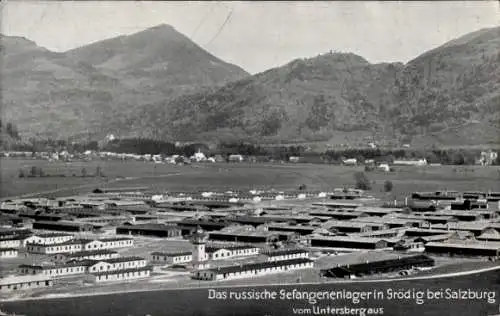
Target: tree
column 388, row 186
column 362, row 181
column 12, row 130
column 98, row 171
column 34, row 171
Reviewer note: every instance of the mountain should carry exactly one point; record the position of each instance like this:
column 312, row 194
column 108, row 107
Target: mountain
column 46, row 92
column 89, row 90
column 157, row 64
column 452, row 85
column 157, row 83
column 343, row 98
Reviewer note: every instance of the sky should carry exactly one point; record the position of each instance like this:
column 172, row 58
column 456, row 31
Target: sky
column 258, row 35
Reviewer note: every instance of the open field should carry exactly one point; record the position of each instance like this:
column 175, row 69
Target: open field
column 224, row 176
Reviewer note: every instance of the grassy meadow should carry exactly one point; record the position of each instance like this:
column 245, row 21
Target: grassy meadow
column 242, row 176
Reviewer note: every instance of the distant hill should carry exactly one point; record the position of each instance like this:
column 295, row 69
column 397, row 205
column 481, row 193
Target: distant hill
column 49, row 93
column 344, row 98
column 86, row 89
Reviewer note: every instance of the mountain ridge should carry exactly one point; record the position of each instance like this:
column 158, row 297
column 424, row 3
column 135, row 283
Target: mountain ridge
column 157, row 83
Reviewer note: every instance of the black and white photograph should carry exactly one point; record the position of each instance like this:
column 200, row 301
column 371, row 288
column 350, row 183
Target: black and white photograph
column 254, row 158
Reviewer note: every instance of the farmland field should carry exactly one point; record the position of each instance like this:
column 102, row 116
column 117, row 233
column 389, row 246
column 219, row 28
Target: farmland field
column 243, row 176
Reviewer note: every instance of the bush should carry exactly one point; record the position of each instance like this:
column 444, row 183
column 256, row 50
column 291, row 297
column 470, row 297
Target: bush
column 388, row 186
column 302, row 187
column 362, row 181
column 369, row 168
column 21, row 173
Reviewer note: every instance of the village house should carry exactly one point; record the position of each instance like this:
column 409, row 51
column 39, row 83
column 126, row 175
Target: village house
column 235, row 158
column 487, row 158
column 409, row 162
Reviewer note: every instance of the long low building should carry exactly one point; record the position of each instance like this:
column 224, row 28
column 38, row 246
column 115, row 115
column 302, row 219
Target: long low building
column 286, row 254
column 337, row 214
column 103, row 254
column 9, row 233
column 379, row 266
column 354, row 227
column 67, row 226
column 24, row 282
column 108, row 243
column 78, row 245
column 386, row 233
column 486, row 249
column 8, row 253
column 301, row 230
column 121, row 263
column 49, row 238
column 56, row 271
column 249, row 237
column 153, row 230
column 391, row 222
column 252, row 269
column 65, row 247
column 11, row 242
column 119, row 275
column 171, row 257
column 348, row 242
column 231, row 251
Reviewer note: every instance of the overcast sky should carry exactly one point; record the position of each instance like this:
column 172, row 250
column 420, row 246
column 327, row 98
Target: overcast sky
column 259, row 35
